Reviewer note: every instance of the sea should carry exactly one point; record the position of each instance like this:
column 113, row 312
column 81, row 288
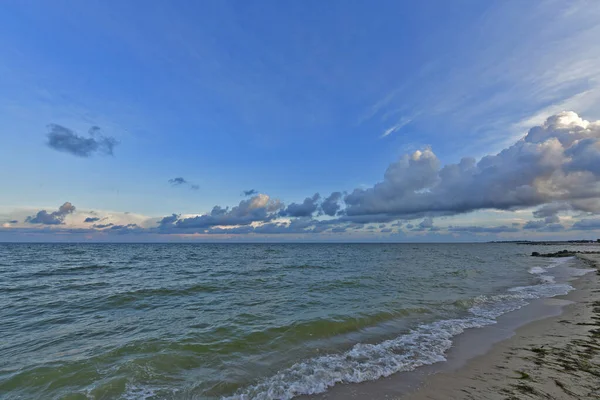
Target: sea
column 248, row 321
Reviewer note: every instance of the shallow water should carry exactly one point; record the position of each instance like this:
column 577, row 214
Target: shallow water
column 207, row 321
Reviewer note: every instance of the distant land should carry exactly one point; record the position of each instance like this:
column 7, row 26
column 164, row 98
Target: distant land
column 548, row 242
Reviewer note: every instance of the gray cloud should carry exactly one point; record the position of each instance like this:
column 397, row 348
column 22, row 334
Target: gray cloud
column 14, row 221
column 330, row 205
column 259, row 208
column 551, row 209
column 91, row 219
column 482, row 229
column 305, row 209
column 177, row 181
column 554, row 162
column 537, row 224
column 588, row 224
column 180, row 181
column 53, row 218
column 102, row 226
column 65, row 140
column 250, row 192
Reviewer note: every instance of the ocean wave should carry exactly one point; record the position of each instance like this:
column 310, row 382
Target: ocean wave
column 131, row 296
column 427, row 344
column 424, row 345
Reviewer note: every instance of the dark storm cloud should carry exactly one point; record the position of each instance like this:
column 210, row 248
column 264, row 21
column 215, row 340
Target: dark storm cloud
column 53, row 218
column 91, row 219
column 65, row 140
column 331, row 205
column 250, row 192
column 304, row 209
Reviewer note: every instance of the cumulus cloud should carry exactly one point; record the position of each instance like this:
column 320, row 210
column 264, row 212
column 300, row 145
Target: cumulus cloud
column 65, row 140
column 259, row 208
column 554, row 162
column 304, row 209
column 330, row 205
column 180, row 181
column 54, row 218
column 554, row 168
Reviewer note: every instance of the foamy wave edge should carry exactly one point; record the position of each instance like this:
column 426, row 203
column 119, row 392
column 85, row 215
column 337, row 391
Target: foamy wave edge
column 427, row 344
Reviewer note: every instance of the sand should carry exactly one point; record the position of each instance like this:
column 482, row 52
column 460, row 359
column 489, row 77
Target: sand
column 553, row 358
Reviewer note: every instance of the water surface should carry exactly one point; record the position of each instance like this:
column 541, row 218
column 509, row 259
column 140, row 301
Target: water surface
column 208, row 321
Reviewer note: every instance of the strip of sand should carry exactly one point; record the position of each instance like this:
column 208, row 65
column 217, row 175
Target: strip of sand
column 553, row 358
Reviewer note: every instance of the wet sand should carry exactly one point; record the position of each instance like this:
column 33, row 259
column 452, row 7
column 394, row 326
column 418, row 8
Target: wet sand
column 553, row 358
column 549, row 349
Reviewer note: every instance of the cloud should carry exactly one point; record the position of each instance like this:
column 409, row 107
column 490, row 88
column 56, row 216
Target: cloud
column 65, row 140
column 250, row 192
column 330, row 206
column 589, row 224
column 13, row 221
column 538, row 224
column 259, row 208
column 102, row 226
column 541, row 168
column 179, row 181
column 54, row 218
column 482, row 229
column 551, row 209
column 91, row 219
column 305, row 209
column 399, row 125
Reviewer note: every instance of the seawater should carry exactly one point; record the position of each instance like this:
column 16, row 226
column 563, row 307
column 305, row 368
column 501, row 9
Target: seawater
column 247, row 321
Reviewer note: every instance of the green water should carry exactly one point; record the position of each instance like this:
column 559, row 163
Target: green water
column 204, row 321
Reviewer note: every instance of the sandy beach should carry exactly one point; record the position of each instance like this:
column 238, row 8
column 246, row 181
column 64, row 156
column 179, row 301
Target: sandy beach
column 553, row 358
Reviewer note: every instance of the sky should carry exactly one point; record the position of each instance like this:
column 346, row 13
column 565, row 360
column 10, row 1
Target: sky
column 344, row 120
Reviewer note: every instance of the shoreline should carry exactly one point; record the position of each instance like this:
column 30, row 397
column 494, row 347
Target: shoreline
column 543, row 350
column 557, row 357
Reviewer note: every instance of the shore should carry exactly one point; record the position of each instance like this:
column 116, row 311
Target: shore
column 552, row 358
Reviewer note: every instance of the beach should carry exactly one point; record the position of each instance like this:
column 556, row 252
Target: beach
column 283, row 321
column 553, row 358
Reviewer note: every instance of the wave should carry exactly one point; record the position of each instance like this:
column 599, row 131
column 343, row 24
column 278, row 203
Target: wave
column 128, row 297
column 364, row 362
column 424, row 345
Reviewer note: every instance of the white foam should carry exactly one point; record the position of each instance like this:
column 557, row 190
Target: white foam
column 537, row 270
column 580, row 271
column 427, row 344
column 424, row 345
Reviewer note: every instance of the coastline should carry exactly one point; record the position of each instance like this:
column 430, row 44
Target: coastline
column 556, row 357
column 543, row 350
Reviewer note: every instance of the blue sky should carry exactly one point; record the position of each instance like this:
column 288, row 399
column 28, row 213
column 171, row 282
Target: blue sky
column 287, row 98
